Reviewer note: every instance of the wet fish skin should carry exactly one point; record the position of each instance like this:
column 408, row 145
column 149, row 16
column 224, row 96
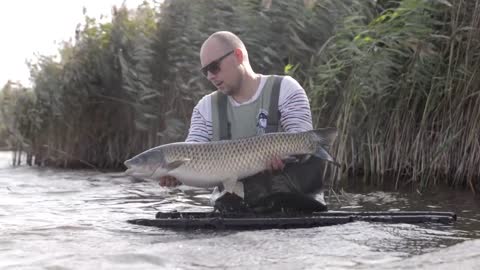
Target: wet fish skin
column 224, row 162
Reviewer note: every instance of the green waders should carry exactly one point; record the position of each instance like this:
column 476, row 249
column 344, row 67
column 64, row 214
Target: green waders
column 290, row 190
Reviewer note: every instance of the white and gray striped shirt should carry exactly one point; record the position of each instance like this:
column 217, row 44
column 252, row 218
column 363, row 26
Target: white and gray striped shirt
column 293, row 105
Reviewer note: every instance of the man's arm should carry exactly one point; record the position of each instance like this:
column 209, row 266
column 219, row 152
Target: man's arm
column 294, row 107
column 295, row 114
column 201, row 130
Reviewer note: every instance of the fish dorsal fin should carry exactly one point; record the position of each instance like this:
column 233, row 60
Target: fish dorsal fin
column 175, row 164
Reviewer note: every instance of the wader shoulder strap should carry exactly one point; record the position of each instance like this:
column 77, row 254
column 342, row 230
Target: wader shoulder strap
column 224, row 125
column 273, row 112
column 273, row 123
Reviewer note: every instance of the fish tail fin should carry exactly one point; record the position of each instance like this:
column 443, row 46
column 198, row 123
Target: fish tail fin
column 324, row 138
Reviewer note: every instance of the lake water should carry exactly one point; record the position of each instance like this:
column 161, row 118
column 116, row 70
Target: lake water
column 64, row 219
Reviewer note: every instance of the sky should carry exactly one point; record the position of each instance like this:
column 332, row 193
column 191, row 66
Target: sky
column 30, row 27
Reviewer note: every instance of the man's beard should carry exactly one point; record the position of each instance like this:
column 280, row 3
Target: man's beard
column 230, row 90
column 227, row 91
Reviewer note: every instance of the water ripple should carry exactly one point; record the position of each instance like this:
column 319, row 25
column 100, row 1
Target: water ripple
column 61, row 219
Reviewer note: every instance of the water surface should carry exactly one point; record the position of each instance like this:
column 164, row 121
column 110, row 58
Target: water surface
column 63, row 219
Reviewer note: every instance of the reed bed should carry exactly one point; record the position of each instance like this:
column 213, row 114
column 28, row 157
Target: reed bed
column 400, row 79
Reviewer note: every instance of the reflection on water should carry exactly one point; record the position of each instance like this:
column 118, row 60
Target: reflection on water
column 60, row 219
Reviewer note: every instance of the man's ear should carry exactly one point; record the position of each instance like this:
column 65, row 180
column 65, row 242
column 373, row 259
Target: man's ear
column 239, row 55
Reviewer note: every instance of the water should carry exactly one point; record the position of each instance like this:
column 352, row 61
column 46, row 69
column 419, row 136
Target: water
column 61, row 219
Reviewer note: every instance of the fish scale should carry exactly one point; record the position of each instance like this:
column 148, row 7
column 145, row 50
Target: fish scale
column 243, row 153
column 213, row 163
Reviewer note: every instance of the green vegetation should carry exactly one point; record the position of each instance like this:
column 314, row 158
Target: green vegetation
column 15, row 116
column 405, row 88
column 400, row 79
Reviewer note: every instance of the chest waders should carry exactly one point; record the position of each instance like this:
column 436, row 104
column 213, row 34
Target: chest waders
column 290, row 189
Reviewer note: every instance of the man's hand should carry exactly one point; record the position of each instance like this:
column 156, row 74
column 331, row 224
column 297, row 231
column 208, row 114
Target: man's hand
column 275, row 164
column 169, row 181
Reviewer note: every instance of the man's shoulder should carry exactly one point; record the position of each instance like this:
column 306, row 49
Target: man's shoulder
column 284, row 77
column 206, row 99
column 204, row 106
column 288, row 83
column 289, row 88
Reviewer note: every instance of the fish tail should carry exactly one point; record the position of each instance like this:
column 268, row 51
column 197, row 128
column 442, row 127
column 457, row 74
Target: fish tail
column 324, row 138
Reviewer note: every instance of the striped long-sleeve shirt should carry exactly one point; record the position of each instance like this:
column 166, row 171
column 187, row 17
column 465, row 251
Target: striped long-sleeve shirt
column 293, row 105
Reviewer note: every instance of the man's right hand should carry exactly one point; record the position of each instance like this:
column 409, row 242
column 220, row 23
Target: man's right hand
column 275, row 164
column 169, row 181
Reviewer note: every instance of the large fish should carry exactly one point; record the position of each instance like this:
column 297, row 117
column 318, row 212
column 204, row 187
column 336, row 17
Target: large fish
column 224, row 162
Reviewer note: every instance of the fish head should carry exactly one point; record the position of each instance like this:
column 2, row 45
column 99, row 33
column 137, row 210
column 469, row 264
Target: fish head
column 148, row 165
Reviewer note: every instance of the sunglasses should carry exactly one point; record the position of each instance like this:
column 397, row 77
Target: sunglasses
column 214, row 66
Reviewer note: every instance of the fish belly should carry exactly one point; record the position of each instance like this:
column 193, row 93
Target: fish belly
column 196, row 178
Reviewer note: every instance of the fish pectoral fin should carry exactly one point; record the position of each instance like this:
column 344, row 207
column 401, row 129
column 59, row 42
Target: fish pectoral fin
column 229, row 184
column 175, row 164
column 290, row 159
column 239, row 190
column 296, row 158
column 233, row 186
column 304, row 158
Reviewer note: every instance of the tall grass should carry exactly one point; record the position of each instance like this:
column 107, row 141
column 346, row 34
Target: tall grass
column 398, row 78
column 404, row 90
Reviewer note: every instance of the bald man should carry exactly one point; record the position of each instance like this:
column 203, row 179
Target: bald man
column 248, row 104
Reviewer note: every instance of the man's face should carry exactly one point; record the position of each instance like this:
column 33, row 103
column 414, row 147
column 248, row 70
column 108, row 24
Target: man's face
column 219, row 65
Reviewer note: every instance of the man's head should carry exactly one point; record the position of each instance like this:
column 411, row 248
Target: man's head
column 224, row 61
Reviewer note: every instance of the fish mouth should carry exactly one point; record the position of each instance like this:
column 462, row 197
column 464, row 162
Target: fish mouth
column 129, row 171
column 136, row 171
column 128, row 163
column 130, row 168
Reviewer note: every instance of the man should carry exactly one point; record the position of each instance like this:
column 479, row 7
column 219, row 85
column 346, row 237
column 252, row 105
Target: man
column 242, row 107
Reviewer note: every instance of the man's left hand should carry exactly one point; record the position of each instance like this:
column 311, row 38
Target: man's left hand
column 275, row 164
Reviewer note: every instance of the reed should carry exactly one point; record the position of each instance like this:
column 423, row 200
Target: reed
column 403, row 88
column 398, row 78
